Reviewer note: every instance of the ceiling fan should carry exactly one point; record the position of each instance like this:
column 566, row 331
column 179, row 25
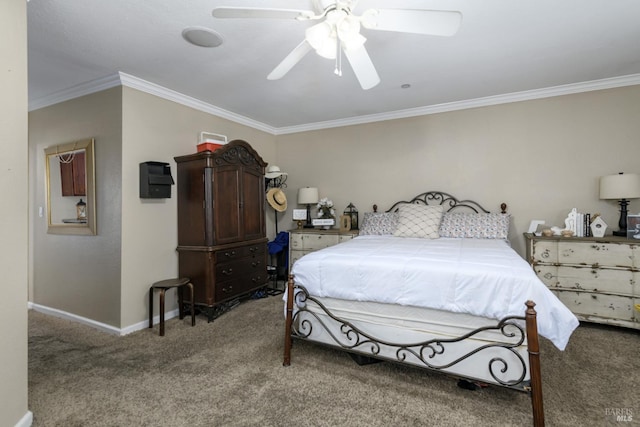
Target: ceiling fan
column 338, row 31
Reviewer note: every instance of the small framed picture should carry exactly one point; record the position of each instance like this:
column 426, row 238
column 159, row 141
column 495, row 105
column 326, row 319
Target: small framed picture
column 299, row 214
column 534, row 225
column 633, row 226
column 345, row 223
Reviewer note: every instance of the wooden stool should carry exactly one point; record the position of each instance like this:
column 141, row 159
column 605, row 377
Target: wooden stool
column 163, row 285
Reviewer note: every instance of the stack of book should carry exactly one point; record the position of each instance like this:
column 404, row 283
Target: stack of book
column 582, row 225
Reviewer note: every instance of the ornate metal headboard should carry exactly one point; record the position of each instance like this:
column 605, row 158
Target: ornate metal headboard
column 449, row 203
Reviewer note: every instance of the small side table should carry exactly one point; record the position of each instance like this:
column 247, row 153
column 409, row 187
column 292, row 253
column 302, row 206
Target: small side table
column 163, row 286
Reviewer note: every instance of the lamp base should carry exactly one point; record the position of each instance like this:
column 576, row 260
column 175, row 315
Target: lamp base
column 622, row 223
column 308, row 224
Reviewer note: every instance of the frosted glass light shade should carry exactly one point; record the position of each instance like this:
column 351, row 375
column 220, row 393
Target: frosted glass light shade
column 620, row 186
column 307, row 196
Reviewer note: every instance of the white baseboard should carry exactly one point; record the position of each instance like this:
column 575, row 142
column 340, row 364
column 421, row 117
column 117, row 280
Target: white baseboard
column 26, row 421
column 98, row 325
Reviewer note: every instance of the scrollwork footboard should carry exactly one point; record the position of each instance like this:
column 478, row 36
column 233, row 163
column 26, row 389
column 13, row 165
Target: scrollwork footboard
column 506, row 365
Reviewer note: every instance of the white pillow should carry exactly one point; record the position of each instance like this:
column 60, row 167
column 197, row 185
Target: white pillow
column 419, row 221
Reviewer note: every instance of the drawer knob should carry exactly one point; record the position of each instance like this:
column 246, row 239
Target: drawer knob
column 227, row 290
column 256, row 279
column 230, row 254
column 255, row 263
column 228, row 272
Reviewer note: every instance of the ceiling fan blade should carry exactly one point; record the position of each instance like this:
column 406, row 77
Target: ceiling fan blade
column 428, row 22
column 252, row 12
column 290, row 60
column 362, row 67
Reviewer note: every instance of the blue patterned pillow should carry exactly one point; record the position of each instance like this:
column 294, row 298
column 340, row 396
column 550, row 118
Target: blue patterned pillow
column 378, row 223
column 475, row 225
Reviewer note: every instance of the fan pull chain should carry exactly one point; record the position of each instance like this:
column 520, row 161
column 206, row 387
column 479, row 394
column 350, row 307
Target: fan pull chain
column 338, row 69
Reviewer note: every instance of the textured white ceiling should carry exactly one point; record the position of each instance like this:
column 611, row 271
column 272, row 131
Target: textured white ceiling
column 503, row 47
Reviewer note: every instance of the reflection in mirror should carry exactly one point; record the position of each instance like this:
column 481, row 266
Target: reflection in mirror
column 71, row 188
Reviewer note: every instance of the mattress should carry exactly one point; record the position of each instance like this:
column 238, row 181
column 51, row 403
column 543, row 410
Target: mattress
column 481, row 277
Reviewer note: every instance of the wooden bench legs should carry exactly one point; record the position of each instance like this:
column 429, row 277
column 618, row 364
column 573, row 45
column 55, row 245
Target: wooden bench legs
column 163, row 286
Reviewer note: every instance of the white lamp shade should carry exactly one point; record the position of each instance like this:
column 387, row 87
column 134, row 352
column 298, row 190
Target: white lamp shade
column 620, row 186
column 307, row 196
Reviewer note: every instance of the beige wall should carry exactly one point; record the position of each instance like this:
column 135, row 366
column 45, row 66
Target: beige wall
column 155, row 129
column 106, row 278
column 80, row 274
column 14, row 225
column 541, row 157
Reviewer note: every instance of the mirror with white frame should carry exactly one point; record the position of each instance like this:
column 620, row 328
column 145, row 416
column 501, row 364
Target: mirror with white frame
column 71, row 192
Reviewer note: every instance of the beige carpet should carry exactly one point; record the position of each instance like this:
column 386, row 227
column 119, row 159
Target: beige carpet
column 230, row 373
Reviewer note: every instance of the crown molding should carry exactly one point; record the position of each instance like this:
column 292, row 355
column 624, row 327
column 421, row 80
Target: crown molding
column 168, row 94
column 76, row 91
column 609, row 83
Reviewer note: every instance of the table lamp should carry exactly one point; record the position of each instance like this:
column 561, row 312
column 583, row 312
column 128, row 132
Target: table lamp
column 308, row 196
column 622, row 187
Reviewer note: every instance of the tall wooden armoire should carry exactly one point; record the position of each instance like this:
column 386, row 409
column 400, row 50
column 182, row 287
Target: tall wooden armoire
column 222, row 244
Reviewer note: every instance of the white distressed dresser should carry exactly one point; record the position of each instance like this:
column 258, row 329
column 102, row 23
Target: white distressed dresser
column 598, row 279
column 307, row 240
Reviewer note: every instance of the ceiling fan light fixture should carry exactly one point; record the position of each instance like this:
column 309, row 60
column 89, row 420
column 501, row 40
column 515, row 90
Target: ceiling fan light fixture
column 322, row 39
column 368, row 19
column 354, row 41
column 338, row 33
column 349, row 33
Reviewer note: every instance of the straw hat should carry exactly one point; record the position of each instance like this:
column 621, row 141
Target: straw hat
column 277, row 199
column 274, row 172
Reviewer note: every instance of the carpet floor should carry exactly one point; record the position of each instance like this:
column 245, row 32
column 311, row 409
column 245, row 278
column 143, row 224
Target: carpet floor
column 230, row 373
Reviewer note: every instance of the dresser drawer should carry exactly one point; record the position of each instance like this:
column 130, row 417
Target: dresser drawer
column 595, row 253
column 610, row 280
column 588, row 304
column 548, row 274
column 545, row 251
column 345, row 237
column 313, row 241
column 296, row 255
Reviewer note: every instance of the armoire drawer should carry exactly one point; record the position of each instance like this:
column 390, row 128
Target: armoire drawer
column 229, row 254
column 231, row 288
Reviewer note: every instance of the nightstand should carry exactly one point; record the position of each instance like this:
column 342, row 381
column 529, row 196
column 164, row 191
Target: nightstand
column 307, row 240
column 597, row 278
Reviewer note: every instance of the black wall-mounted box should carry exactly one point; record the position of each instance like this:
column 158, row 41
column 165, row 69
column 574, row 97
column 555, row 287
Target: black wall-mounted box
column 155, row 180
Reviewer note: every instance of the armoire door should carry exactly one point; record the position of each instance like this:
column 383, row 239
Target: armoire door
column 194, row 201
column 227, row 200
column 253, row 200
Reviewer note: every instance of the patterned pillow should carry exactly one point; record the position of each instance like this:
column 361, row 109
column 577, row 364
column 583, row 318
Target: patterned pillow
column 419, row 221
column 475, row 225
column 379, row 223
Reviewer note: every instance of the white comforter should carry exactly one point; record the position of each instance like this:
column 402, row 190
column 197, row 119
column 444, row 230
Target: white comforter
column 483, row 277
